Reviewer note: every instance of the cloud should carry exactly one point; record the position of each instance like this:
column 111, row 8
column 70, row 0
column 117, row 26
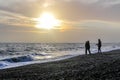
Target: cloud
column 105, row 3
column 112, row 2
column 88, row 1
column 30, row 8
column 10, row 18
column 70, row 10
column 76, row 10
column 108, row 3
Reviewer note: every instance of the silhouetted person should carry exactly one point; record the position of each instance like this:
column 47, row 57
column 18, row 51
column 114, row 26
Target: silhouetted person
column 99, row 45
column 87, row 47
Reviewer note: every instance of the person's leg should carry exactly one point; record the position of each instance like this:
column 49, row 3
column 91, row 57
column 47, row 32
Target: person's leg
column 89, row 51
column 86, row 51
column 98, row 49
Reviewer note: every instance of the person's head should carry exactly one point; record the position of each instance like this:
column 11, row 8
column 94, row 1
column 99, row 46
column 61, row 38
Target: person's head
column 88, row 41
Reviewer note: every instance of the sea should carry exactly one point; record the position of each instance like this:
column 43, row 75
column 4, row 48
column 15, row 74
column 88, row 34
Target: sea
column 21, row 54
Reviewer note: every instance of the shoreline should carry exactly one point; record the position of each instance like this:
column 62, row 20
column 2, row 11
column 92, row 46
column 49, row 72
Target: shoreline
column 92, row 67
column 20, row 64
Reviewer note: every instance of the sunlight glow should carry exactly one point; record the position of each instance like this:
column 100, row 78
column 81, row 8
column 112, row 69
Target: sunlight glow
column 47, row 21
column 45, row 5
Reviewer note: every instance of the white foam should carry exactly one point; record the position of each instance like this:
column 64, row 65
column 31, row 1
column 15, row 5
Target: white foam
column 6, row 64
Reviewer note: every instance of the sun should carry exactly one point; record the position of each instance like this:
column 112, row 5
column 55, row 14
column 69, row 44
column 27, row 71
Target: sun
column 47, row 21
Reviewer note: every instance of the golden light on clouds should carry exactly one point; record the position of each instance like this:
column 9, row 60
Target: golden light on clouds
column 47, row 21
column 48, row 3
column 45, row 5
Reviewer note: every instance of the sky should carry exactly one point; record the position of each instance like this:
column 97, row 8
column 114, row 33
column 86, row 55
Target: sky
column 81, row 20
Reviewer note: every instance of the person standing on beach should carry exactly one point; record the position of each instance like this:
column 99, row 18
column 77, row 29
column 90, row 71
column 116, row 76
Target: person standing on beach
column 99, row 45
column 87, row 47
